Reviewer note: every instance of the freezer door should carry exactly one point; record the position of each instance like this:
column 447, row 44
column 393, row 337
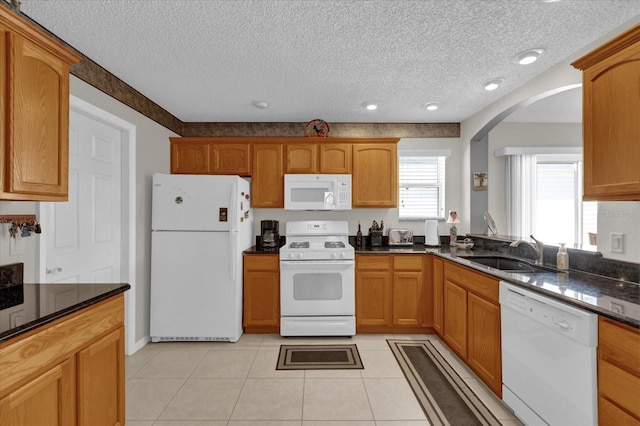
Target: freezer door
column 197, row 202
column 196, row 291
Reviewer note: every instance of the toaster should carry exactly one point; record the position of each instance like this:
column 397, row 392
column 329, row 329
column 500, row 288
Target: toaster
column 400, row 237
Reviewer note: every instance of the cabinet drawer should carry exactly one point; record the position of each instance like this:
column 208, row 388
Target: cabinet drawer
column 475, row 282
column 374, row 263
column 619, row 345
column 407, row 263
column 619, row 386
column 261, row 262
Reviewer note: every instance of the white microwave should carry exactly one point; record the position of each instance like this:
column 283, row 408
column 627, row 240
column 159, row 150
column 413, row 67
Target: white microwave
column 317, row 192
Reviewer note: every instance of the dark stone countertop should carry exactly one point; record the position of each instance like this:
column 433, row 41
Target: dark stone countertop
column 29, row 306
column 612, row 298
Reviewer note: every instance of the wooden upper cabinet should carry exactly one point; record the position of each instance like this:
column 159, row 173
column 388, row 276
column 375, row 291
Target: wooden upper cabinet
column 301, row 158
column 232, row 159
column 375, row 175
column 611, row 128
column 34, row 119
column 334, row 158
column 267, row 175
column 210, row 156
column 191, row 157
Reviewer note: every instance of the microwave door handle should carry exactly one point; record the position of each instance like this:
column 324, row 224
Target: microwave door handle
column 329, row 200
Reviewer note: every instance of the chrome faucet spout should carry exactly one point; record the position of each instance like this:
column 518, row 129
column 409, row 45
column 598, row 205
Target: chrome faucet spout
column 537, row 246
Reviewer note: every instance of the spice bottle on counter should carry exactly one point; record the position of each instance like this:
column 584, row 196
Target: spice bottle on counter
column 562, row 258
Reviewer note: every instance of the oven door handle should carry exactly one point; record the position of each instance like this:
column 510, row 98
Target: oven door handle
column 302, row 264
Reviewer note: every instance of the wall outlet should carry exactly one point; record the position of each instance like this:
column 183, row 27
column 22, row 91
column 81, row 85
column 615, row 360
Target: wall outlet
column 617, row 242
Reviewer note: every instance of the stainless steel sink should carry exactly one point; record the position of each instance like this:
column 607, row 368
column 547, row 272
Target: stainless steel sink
column 507, row 264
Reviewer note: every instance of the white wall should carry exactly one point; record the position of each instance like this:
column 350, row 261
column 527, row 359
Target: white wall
column 453, row 197
column 620, row 217
column 522, row 135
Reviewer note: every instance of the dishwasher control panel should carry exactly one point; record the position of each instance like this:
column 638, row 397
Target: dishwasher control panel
column 569, row 321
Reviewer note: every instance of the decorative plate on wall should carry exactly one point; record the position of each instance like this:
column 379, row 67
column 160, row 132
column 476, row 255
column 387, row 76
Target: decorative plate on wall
column 317, row 129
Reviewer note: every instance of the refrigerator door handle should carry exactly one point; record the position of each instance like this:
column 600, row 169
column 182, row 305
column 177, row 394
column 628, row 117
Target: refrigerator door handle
column 233, row 236
column 233, row 206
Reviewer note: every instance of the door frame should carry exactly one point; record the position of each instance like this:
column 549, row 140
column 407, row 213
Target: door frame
column 128, row 215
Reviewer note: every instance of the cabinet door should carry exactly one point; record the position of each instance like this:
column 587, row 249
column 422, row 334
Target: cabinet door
column 36, row 158
column 373, row 298
column 192, row 157
column 375, row 175
column 438, row 296
column 407, row 298
column 232, row 159
column 301, row 158
column 407, row 290
column 261, row 293
column 101, row 381
column 455, row 318
column 47, row 400
column 335, row 158
column 484, row 351
column 267, row 178
column 611, row 127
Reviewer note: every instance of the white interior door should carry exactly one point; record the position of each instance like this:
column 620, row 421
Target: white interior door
column 83, row 243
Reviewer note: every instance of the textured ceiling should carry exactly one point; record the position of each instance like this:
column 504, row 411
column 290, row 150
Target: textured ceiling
column 208, row 60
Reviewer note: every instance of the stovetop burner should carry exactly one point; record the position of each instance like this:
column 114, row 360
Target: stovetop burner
column 334, row 244
column 303, row 244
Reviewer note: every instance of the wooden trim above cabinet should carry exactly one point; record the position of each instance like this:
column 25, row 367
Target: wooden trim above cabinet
column 621, row 42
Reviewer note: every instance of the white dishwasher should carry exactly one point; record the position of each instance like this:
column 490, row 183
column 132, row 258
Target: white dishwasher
column 548, row 359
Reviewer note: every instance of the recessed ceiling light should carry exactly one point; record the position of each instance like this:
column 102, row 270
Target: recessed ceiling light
column 493, row 84
column 530, row 56
column 432, row 106
column 370, row 106
column 260, row 104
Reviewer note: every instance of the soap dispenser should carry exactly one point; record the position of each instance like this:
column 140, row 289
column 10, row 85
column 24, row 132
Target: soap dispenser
column 562, row 258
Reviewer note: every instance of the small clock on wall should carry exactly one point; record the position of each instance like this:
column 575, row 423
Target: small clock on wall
column 317, row 129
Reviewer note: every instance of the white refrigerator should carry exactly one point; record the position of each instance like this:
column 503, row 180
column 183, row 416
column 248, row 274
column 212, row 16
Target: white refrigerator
column 199, row 228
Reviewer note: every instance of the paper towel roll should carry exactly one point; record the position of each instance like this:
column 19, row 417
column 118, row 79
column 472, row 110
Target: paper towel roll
column 431, row 233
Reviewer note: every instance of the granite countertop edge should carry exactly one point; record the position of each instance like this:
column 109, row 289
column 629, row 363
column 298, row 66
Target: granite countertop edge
column 584, row 280
column 39, row 322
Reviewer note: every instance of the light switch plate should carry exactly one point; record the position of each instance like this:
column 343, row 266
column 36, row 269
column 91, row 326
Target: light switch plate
column 617, row 242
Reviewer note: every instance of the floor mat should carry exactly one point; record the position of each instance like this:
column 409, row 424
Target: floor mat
column 445, row 398
column 319, row 357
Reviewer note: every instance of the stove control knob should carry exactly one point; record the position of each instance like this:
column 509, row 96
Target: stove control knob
column 300, row 255
column 334, row 255
column 291, row 255
column 342, row 255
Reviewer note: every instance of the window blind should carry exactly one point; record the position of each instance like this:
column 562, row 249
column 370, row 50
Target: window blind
column 421, row 186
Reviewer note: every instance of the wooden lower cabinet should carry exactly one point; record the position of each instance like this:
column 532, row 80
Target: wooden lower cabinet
column 390, row 294
column 47, row 400
column 618, row 373
column 374, row 292
column 261, row 293
column 471, row 321
column 484, row 350
column 69, row 372
column 100, row 391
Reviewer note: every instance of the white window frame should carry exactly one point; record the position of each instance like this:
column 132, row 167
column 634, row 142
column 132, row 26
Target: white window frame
column 440, row 183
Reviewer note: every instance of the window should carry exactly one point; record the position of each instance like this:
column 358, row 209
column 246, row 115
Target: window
column 544, row 198
column 421, row 182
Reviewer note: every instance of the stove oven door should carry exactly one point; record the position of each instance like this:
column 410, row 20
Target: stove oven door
column 317, row 288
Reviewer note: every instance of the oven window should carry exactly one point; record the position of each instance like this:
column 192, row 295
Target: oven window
column 318, row 286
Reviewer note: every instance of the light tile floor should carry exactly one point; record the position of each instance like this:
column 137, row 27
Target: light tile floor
column 236, row 384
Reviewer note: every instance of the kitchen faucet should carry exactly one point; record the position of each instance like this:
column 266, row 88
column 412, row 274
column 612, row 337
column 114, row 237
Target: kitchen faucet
column 538, row 248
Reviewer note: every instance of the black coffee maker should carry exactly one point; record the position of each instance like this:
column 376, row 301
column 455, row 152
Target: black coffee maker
column 269, row 235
